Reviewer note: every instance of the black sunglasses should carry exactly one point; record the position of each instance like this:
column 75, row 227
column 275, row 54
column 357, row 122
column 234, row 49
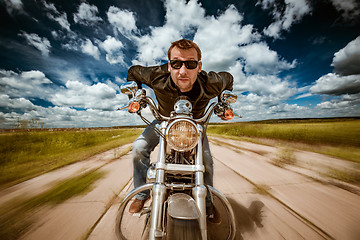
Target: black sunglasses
column 189, row 64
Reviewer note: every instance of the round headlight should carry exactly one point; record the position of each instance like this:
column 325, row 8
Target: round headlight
column 182, row 135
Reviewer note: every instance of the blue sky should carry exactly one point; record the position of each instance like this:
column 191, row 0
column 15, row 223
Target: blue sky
column 62, row 62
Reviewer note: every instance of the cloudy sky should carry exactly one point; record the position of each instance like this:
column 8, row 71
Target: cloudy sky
column 62, row 61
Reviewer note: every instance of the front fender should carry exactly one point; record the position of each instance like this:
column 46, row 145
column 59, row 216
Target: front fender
column 182, row 206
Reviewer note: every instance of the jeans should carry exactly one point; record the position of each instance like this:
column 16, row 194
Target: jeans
column 145, row 144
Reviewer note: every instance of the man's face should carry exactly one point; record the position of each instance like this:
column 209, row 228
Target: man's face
column 184, row 78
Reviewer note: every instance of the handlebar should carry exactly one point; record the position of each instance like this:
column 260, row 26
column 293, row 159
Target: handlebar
column 139, row 100
column 145, row 100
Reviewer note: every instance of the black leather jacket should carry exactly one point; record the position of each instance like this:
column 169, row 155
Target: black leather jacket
column 158, row 78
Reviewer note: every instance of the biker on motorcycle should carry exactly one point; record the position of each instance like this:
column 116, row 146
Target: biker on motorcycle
column 181, row 76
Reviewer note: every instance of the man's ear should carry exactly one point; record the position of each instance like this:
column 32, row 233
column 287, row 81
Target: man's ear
column 169, row 66
column 200, row 66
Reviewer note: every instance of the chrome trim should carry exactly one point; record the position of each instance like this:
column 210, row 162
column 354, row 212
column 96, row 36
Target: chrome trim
column 123, row 205
column 129, row 88
column 171, row 142
column 183, row 106
column 180, row 168
column 229, row 209
column 199, row 194
column 228, row 96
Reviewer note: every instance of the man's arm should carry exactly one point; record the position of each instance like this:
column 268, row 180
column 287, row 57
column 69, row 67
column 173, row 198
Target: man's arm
column 218, row 82
column 228, row 81
column 145, row 75
column 138, row 74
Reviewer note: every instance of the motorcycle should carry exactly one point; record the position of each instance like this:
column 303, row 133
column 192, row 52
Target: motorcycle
column 176, row 180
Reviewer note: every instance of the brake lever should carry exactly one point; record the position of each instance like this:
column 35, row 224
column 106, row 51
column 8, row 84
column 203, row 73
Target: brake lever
column 237, row 115
column 123, row 107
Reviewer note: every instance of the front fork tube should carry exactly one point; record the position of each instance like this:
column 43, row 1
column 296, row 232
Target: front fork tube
column 159, row 191
column 199, row 191
column 156, row 212
column 199, row 194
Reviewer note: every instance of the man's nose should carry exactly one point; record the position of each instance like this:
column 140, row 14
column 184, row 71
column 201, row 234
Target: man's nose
column 183, row 69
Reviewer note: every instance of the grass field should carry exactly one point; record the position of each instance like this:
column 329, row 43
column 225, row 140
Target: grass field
column 26, row 154
column 16, row 216
column 336, row 137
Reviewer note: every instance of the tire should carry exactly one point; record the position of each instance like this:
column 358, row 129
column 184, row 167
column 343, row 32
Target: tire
column 123, row 219
column 179, row 229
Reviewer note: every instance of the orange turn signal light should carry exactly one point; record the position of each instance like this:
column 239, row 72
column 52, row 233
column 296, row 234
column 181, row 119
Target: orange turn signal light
column 229, row 114
column 134, row 107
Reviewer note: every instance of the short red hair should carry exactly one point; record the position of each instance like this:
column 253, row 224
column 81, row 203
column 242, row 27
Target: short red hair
column 185, row 44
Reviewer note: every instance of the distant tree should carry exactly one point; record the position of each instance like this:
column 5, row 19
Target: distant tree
column 29, row 124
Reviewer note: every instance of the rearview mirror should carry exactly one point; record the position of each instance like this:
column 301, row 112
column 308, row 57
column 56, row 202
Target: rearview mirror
column 228, row 96
column 129, row 88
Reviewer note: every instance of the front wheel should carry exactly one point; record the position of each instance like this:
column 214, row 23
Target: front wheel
column 125, row 222
column 179, row 229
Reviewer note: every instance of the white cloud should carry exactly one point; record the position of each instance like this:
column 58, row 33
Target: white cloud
column 270, row 85
column 26, row 84
column 153, row 48
column 347, row 60
column 113, row 49
column 181, row 18
column 339, row 107
column 262, row 85
column 13, row 6
column 89, row 48
column 222, row 36
column 86, row 14
column 64, row 117
column 42, row 44
column 304, row 95
column 184, row 15
column 54, row 14
column 227, row 38
column 254, row 107
column 72, row 74
column 226, row 46
column 261, row 59
column 333, row 104
column 226, row 43
column 285, row 108
column 80, row 95
column 225, row 29
column 123, row 20
column 50, row 6
column 62, row 20
column 15, row 103
column 343, row 85
column 285, row 14
column 333, row 84
column 263, row 96
column 349, row 8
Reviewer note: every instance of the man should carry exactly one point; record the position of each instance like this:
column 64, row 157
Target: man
column 182, row 75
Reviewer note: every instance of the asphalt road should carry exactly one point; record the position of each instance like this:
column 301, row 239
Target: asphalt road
column 270, row 202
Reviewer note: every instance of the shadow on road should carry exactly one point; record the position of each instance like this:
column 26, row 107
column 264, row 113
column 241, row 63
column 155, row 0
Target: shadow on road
column 248, row 219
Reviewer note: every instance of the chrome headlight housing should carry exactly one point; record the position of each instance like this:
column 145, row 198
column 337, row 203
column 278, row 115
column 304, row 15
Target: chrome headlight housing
column 182, row 135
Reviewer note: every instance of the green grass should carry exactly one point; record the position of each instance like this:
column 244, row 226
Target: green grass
column 284, row 157
column 345, row 176
column 262, row 189
column 27, row 154
column 346, row 133
column 17, row 216
column 336, row 137
column 67, row 189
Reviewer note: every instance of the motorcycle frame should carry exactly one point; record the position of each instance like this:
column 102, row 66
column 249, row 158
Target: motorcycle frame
column 199, row 191
column 159, row 188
